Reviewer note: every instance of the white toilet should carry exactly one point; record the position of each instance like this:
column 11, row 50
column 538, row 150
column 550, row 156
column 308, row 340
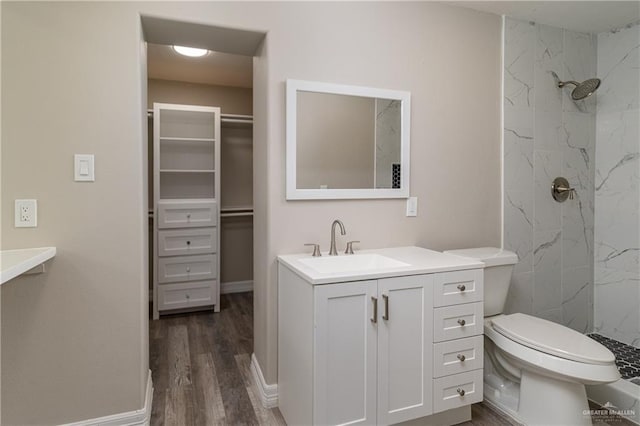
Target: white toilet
column 535, row 370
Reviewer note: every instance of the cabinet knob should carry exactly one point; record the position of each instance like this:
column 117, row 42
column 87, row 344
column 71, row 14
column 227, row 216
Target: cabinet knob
column 187, row 296
column 461, row 322
column 188, row 215
column 188, row 243
column 461, row 392
column 462, row 287
column 189, row 270
column 461, row 357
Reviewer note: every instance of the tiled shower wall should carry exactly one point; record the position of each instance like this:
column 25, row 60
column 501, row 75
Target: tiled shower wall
column 546, row 134
column 617, row 187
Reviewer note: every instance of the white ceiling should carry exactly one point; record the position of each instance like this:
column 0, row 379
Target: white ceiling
column 582, row 16
column 220, row 69
column 226, row 69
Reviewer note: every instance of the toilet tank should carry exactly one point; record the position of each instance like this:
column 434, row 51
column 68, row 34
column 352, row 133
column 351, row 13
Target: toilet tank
column 499, row 265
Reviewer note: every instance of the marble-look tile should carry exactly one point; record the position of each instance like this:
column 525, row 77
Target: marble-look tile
column 547, row 130
column 518, row 148
column 578, row 168
column 547, row 270
column 617, row 170
column 554, row 315
column 617, row 192
column 577, row 233
column 579, row 64
column 518, row 228
column 520, row 297
column 618, row 65
column 578, row 139
column 577, row 287
column 547, row 165
column 616, row 244
column 519, row 53
column 617, row 296
column 548, row 59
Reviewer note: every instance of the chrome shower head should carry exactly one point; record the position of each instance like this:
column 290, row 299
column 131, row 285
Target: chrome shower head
column 582, row 90
column 585, row 89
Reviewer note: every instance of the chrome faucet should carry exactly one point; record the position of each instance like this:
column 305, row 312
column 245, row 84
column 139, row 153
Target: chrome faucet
column 332, row 250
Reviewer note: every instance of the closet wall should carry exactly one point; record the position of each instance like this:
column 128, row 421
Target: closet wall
column 236, row 239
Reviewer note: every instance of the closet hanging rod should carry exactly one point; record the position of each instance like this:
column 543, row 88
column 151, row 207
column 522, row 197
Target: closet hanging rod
column 238, row 117
column 236, row 214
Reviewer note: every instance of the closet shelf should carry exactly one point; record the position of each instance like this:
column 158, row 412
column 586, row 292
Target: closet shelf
column 186, row 171
column 167, row 138
column 235, row 214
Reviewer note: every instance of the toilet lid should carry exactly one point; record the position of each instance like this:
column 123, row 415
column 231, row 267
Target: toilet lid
column 551, row 338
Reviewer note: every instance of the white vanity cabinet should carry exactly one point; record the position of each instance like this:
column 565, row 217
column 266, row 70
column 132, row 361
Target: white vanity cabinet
column 363, row 352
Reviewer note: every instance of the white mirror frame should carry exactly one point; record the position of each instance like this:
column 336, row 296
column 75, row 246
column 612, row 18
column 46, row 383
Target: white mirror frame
column 293, row 193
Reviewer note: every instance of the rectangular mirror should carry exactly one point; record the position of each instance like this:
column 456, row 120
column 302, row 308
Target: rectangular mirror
column 346, row 142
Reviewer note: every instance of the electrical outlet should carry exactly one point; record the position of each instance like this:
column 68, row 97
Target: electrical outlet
column 26, row 213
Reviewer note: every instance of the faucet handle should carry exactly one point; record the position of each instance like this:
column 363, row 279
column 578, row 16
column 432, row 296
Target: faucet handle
column 316, row 249
column 349, row 249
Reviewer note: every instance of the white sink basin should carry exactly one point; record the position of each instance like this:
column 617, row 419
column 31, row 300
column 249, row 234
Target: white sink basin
column 351, row 263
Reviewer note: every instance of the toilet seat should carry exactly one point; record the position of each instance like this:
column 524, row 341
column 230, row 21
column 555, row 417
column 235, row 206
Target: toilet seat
column 547, row 364
column 551, row 338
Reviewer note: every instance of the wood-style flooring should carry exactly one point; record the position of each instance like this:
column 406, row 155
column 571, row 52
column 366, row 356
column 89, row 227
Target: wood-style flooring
column 200, row 367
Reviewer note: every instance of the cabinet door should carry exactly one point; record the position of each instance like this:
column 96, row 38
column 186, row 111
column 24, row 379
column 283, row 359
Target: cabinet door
column 405, row 358
column 345, row 347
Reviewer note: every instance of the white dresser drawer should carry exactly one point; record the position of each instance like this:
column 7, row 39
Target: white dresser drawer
column 457, row 390
column 186, row 214
column 186, row 295
column 186, row 268
column 458, row 356
column 453, row 288
column 187, row 241
column 457, row 321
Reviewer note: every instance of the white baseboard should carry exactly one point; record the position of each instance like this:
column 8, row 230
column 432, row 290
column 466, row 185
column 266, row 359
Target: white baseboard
column 236, row 287
column 129, row 418
column 268, row 393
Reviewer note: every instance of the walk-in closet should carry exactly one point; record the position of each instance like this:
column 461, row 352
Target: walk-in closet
column 200, row 178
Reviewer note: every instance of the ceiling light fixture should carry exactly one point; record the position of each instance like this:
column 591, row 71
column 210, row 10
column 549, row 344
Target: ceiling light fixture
column 192, row 52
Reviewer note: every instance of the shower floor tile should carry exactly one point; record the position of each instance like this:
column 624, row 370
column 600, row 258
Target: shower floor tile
column 627, row 357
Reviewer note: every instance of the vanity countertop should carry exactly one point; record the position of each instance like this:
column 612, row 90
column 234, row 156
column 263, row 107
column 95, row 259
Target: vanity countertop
column 416, row 261
column 17, row 262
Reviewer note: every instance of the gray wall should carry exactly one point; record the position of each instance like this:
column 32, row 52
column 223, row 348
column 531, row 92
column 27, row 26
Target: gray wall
column 74, row 340
column 617, row 184
column 547, row 135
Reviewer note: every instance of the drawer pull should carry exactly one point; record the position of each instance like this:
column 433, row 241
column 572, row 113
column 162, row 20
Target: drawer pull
column 462, row 287
column 461, row 357
column 188, row 243
column 187, row 296
column 188, row 215
column 461, row 392
column 461, row 322
column 385, row 316
column 374, row 319
column 189, row 270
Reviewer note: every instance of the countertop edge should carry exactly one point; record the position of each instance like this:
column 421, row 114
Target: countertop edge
column 465, row 264
column 30, row 263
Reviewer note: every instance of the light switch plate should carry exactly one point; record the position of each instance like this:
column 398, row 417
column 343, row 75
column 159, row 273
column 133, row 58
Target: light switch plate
column 412, row 206
column 83, row 168
column 26, row 214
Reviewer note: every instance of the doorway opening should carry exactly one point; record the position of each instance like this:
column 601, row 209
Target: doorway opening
column 200, row 175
